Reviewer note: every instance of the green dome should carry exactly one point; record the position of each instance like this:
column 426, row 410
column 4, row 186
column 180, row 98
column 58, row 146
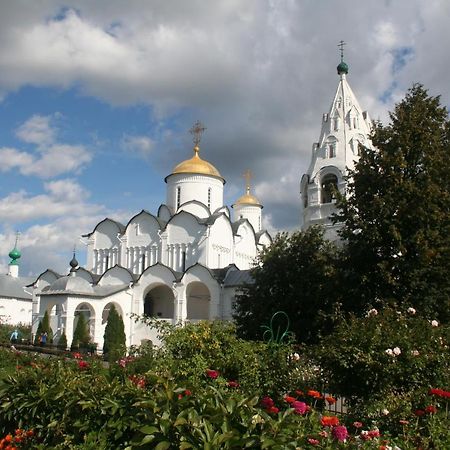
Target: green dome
column 14, row 254
column 342, row 68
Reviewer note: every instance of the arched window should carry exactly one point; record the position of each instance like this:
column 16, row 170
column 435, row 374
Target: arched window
column 328, row 188
column 332, row 150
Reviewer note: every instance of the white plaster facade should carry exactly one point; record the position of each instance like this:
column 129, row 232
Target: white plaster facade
column 184, row 263
column 345, row 129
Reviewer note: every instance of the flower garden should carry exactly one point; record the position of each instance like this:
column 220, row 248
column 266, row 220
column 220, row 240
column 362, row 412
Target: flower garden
column 208, row 389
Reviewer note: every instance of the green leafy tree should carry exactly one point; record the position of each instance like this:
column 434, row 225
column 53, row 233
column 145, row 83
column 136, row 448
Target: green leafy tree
column 114, row 337
column 296, row 274
column 81, row 337
column 396, row 216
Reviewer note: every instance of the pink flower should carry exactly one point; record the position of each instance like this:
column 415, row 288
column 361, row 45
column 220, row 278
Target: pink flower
column 313, row 441
column 300, row 407
column 213, row 374
column 357, row 424
column 77, row 355
column 340, row 433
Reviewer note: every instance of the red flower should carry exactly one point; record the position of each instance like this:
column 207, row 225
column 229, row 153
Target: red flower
column 314, row 394
column 83, row 365
column 329, row 421
column 374, row 433
column 77, row 356
column 187, row 392
column 273, row 410
column 331, row 400
column 299, row 393
column 313, row 441
column 233, row 384
column 419, row 412
column 289, row 399
column 439, row 393
column 213, row 374
column 431, row 409
column 267, row 402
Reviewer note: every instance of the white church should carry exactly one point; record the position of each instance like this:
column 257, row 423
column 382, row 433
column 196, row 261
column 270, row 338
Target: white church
column 187, row 262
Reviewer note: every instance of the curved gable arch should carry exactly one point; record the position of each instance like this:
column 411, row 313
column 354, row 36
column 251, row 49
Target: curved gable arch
column 164, row 213
column 115, row 276
column 142, row 229
column 46, row 278
column 184, row 227
column 106, row 233
column 196, row 208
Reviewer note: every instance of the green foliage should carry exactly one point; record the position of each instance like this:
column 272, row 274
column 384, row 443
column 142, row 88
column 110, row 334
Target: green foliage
column 114, row 337
column 81, row 336
column 296, row 274
column 62, row 343
column 396, row 218
column 386, row 355
column 6, row 329
column 262, row 369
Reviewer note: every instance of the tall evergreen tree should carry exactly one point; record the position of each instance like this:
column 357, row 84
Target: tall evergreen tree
column 296, row 275
column 44, row 327
column 81, row 337
column 114, row 337
column 396, row 216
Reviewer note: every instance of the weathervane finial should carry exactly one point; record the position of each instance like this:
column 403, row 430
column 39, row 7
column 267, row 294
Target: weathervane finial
column 197, row 130
column 341, row 47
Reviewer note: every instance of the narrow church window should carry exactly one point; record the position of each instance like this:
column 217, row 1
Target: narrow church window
column 336, row 124
column 178, row 196
column 143, row 263
column 106, row 262
column 183, row 262
column 209, row 198
column 332, row 150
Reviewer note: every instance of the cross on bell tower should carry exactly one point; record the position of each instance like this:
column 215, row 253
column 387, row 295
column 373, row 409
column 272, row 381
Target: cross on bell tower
column 197, row 130
column 341, row 48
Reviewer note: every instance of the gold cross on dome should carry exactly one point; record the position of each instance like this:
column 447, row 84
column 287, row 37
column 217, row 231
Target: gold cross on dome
column 197, row 130
column 247, row 175
column 341, row 47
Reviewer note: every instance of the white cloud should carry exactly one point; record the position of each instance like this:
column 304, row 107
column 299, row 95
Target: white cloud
column 62, row 198
column 37, row 130
column 142, row 145
column 50, row 158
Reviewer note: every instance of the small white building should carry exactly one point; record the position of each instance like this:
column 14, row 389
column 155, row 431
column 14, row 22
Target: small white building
column 184, row 263
column 345, row 129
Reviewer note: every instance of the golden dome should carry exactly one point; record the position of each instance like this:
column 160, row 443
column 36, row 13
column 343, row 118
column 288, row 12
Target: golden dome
column 196, row 165
column 247, row 199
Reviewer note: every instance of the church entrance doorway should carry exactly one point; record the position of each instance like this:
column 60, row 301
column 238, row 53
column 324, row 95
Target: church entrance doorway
column 159, row 303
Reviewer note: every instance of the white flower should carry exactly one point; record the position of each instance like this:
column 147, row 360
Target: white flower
column 385, row 412
column 372, row 312
column 411, row 311
column 434, row 323
column 415, row 352
column 296, row 356
column 390, row 352
column 396, row 351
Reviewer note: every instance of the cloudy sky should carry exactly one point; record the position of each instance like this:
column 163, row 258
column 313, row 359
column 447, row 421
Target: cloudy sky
column 97, row 97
